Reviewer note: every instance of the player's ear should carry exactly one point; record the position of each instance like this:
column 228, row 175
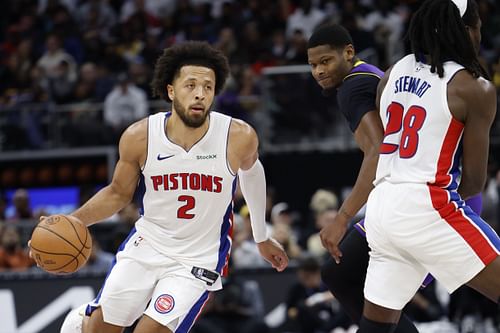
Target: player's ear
column 348, row 52
column 170, row 92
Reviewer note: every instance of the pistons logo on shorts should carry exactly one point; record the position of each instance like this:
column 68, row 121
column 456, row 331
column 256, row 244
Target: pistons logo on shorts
column 164, row 303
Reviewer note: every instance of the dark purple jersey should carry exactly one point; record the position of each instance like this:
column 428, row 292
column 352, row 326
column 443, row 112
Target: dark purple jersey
column 357, row 93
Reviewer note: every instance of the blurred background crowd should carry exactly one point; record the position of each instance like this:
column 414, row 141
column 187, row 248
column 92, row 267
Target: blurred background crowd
column 75, row 73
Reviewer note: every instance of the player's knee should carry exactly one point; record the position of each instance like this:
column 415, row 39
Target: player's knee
column 93, row 319
column 93, row 324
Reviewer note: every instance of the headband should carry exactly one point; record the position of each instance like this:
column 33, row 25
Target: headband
column 461, row 5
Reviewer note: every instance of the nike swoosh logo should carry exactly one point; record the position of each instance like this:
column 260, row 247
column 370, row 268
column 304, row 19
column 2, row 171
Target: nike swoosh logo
column 160, row 158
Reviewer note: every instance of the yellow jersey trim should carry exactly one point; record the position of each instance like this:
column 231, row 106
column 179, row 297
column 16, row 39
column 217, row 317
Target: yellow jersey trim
column 356, row 64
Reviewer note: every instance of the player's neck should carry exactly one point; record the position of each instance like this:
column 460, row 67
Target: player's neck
column 350, row 66
column 353, row 63
column 181, row 134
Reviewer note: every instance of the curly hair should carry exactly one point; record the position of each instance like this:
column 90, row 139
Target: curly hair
column 188, row 53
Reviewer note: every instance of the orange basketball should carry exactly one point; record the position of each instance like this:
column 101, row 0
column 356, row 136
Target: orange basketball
column 61, row 244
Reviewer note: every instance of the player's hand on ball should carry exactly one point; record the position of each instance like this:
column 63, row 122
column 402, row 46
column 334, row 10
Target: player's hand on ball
column 274, row 253
column 30, row 253
column 60, row 244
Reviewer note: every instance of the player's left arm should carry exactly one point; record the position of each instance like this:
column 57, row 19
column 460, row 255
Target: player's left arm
column 481, row 103
column 244, row 157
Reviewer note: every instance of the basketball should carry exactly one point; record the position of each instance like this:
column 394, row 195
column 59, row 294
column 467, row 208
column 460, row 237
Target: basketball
column 61, row 244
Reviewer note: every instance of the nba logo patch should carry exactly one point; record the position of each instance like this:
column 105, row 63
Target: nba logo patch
column 164, row 303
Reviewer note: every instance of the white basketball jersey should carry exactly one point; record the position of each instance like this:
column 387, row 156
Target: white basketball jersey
column 188, row 198
column 422, row 138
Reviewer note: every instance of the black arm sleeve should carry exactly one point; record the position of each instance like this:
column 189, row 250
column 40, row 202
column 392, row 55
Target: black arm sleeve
column 356, row 96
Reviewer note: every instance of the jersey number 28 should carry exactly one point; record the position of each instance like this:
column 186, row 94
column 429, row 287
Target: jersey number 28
column 409, row 125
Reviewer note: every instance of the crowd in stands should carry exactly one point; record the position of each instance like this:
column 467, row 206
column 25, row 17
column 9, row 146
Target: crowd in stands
column 84, row 67
column 56, row 53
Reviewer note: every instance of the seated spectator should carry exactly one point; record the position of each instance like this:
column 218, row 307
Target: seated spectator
column 98, row 16
column 283, row 234
column 321, row 220
column 311, row 308
column 140, row 73
column 12, row 255
column 386, row 23
column 22, row 206
column 323, row 207
column 281, row 214
column 306, row 18
column 95, row 81
column 249, row 90
column 283, row 229
column 16, row 71
column 227, row 41
column 297, row 51
column 124, row 104
column 62, row 83
column 54, row 56
column 130, row 46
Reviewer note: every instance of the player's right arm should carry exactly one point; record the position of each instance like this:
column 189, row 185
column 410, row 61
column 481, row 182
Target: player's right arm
column 473, row 101
column 115, row 196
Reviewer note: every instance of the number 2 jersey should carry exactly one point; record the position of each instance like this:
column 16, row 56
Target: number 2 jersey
column 187, row 205
column 422, row 139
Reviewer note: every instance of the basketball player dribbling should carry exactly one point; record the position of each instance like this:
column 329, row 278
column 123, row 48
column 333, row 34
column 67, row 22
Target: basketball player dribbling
column 437, row 109
column 189, row 160
column 335, row 66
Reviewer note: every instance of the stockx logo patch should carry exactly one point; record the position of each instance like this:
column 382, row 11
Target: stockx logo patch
column 206, row 157
column 164, row 303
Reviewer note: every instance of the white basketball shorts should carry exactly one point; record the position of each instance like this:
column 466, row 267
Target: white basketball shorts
column 145, row 281
column 413, row 229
